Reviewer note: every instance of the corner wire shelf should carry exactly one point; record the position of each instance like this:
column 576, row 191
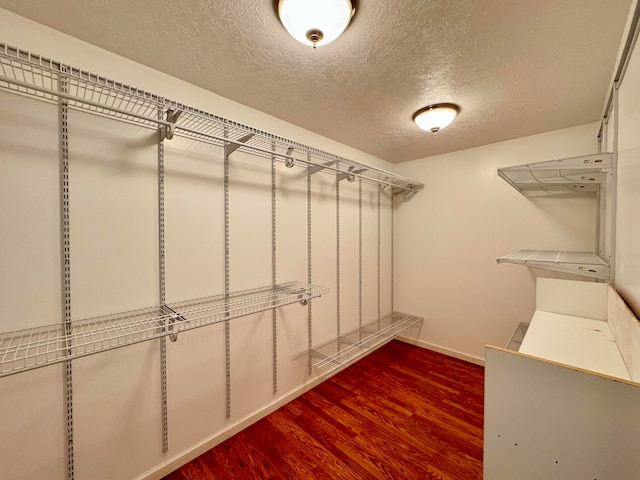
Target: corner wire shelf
column 556, row 177
column 578, row 263
column 28, row 74
column 36, row 347
column 563, row 177
column 333, row 356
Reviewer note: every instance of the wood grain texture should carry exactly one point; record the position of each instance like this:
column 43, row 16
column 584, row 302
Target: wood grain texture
column 402, row 412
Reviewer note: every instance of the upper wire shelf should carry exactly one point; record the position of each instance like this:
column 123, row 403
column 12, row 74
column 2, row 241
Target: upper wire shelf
column 31, row 348
column 585, row 264
column 568, row 175
column 32, row 75
column 341, row 352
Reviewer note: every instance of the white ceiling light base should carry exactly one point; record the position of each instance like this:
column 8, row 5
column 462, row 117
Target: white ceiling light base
column 436, row 117
column 316, row 22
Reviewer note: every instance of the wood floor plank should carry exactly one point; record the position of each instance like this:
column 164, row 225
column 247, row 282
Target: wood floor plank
column 401, row 413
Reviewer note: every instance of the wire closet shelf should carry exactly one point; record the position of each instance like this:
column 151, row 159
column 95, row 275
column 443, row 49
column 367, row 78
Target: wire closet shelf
column 586, row 264
column 31, row 348
column 583, row 174
column 333, row 356
column 32, row 75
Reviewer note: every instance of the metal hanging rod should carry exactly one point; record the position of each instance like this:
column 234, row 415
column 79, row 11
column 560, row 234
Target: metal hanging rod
column 28, row 74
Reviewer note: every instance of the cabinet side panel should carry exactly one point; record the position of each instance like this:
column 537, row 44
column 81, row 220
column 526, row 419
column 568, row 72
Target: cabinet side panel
column 543, row 420
column 625, row 328
column 627, row 235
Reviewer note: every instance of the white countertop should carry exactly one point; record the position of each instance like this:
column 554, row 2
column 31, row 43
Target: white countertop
column 576, row 341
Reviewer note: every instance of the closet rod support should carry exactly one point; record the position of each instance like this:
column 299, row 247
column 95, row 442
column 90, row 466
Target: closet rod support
column 289, row 162
column 350, row 175
column 167, row 131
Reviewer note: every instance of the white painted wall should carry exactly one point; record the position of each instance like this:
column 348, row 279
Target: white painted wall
column 449, row 235
column 628, row 200
column 114, row 267
column 447, row 239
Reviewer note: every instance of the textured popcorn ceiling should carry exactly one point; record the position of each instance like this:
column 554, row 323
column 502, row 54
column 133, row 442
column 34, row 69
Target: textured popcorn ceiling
column 515, row 67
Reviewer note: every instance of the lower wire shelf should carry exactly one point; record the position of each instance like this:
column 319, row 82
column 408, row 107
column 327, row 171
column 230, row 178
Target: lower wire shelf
column 31, row 348
column 346, row 349
column 518, row 335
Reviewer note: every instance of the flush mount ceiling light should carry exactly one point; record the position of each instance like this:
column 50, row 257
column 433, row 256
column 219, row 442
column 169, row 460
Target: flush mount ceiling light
column 316, row 22
column 436, row 117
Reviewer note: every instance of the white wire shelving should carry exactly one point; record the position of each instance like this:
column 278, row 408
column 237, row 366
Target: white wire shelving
column 578, row 263
column 556, row 177
column 31, row 348
column 518, row 336
column 333, row 356
column 582, row 175
column 28, row 74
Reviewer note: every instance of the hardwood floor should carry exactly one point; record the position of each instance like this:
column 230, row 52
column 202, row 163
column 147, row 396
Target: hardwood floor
column 402, row 412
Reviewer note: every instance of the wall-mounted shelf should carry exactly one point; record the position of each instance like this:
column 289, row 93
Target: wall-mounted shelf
column 516, row 338
column 583, row 175
column 31, row 75
column 578, row 263
column 565, row 176
column 341, row 352
column 36, row 347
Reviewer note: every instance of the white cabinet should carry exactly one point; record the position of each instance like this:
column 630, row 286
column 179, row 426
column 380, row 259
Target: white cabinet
column 566, row 404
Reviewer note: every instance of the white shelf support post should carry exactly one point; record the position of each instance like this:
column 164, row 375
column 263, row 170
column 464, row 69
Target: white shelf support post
column 309, row 261
column 228, row 149
column 360, row 278
column 338, row 179
column 613, row 193
column 162, row 134
column 274, row 311
column 63, row 112
column 379, row 255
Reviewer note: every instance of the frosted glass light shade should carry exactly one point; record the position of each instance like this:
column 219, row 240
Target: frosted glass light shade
column 315, row 22
column 436, row 117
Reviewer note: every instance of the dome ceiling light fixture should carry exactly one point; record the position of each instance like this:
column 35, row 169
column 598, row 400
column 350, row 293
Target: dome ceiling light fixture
column 436, row 117
column 316, row 22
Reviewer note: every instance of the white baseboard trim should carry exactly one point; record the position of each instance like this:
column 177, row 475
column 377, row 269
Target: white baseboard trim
column 446, row 351
column 184, row 457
